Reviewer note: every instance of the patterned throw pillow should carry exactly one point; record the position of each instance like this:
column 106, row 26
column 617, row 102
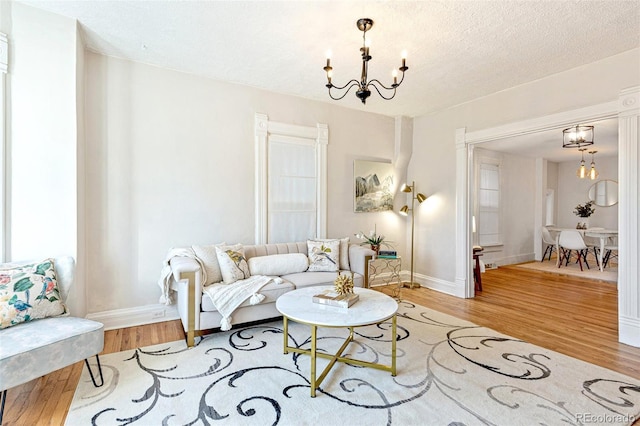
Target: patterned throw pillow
column 343, row 251
column 233, row 264
column 323, row 255
column 29, row 292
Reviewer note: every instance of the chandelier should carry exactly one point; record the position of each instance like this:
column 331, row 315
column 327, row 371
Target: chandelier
column 577, row 137
column 364, row 83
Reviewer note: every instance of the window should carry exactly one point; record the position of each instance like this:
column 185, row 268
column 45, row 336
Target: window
column 291, row 181
column 291, row 201
column 4, row 62
column 489, row 203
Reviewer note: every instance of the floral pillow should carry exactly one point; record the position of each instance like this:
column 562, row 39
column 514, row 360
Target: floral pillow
column 323, row 255
column 29, row 292
column 233, row 264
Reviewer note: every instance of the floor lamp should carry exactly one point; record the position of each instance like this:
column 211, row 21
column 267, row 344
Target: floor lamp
column 405, row 211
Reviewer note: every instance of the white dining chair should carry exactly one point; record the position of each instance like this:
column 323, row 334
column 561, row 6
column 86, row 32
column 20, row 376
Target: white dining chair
column 548, row 239
column 610, row 250
column 593, row 242
column 568, row 241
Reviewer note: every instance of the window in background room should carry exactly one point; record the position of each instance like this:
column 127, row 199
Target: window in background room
column 489, row 203
column 550, row 207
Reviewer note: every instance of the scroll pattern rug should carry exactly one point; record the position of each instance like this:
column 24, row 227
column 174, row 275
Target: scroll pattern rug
column 450, row 372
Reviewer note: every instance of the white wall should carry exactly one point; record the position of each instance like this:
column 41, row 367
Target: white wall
column 170, row 162
column 434, row 151
column 573, row 191
column 42, row 137
column 552, row 183
column 517, row 191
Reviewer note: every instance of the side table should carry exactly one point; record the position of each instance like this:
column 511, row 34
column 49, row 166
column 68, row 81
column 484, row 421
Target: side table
column 385, row 270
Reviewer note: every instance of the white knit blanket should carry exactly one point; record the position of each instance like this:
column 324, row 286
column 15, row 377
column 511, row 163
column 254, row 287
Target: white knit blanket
column 227, row 297
column 165, row 275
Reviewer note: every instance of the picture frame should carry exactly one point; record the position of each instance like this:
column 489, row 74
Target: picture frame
column 373, row 183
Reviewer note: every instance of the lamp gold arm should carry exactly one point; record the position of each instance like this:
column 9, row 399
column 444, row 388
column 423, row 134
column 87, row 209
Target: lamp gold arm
column 404, row 211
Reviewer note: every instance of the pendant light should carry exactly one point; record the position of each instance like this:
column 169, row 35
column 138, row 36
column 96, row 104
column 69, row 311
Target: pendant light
column 582, row 170
column 593, row 173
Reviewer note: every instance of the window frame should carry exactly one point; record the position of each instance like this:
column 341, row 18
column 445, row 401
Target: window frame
column 319, row 137
column 478, row 209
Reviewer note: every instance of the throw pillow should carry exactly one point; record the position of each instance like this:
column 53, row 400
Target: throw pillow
column 233, row 264
column 209, row 258
column 29, row 292
column 343, row 251
column 323, row 255
column 278, row 264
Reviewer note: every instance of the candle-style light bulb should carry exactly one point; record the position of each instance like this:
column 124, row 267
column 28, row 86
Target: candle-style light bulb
column 394, row 74
column 404, row 58
column 328, row 58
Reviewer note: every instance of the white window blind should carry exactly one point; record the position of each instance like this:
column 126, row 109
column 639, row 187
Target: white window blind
column 489, row 205
column 292, row 190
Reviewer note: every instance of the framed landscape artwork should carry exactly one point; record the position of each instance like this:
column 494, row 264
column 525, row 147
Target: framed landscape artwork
column 373, row 186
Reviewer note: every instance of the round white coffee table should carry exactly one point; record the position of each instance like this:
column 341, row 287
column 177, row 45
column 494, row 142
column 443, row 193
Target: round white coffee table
column 372, row 307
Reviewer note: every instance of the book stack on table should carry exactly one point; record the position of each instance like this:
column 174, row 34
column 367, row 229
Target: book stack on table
column 332, row 298
column 387, row 254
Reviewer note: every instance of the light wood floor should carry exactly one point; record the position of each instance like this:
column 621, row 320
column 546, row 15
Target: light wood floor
column 562, row 313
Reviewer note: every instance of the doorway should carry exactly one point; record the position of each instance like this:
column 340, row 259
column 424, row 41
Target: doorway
column 629, row 317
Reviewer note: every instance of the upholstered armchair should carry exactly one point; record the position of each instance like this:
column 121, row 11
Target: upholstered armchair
column 30, row 348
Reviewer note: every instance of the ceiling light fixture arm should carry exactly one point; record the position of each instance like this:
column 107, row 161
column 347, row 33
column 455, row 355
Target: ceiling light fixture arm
column 352, row 83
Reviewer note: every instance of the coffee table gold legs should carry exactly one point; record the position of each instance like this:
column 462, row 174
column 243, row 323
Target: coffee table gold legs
column 315, row 382
column 285, row 331
column 394, row 338
column 314, row 348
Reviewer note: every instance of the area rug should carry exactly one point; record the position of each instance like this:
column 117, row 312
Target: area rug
column 609, row 274
column 450, row 372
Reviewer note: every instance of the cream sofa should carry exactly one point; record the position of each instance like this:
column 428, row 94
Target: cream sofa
column 199, row 316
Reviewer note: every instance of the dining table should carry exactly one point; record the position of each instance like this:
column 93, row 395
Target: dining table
column 602, row 234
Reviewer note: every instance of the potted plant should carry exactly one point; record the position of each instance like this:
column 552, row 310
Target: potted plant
column 372, row 239
column 584, row 211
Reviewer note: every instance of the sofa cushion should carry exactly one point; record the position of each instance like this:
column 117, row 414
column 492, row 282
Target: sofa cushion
column 233, row 264
column 324, row 256
column 274, row 248
column 278, row 264
column 270, row 292
column 29, row 292
column 33, row 349
column 209, row 258
column 306, row 279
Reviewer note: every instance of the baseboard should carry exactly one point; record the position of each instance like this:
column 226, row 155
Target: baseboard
column 511, row 260
column 437, row 284
column 130, row 317
column 629, row 331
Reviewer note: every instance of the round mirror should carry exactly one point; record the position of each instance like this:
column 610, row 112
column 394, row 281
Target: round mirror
column 604, row 193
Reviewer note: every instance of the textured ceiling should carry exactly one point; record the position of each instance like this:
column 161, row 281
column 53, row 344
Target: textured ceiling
column 457, row 50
